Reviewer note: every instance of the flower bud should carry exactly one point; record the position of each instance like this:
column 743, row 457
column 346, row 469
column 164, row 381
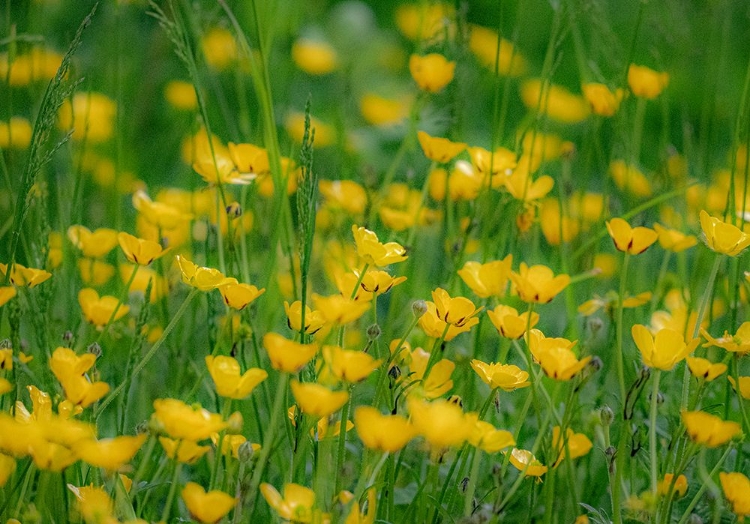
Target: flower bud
column 394, row 373
column 234, row 210
column 245, row 451
column 6, row 344
column 373, row 332
column 595, row 364
column 606, row 415
column 235, row 422
column 142, row 427
column 95, row 349
column 67, row 336
column 419, row 308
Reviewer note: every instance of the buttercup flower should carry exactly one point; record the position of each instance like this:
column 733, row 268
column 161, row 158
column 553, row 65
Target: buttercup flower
column 538, row 283
column 722, row 237
column 629, row 178
column 555, row 355
column 673, row 240
column 578, row 444
column 663, row 351
column 316, row 400
column 203, row 278
column 442, row 423
column 338, row 309
column 525, row 461
column 314, row 57
column 645, row 82
column 296, row 505
column 112, row 453
column 736, row 488
column 438, row 381
column 602, row 100
column 435, row 327
column 431, row 72
column 346, row 195
column 554, row 101
column 744, row 389
column 489, row 279
column 7, row 467
column 225, row 372
column 24, row 276
column 439, row 149
column 387, row 433
column 378, row 282
column 505, row 376
column 97, row 310
column 313, row 319
column 183, row 422
column 206, row 507
column 140, row 251
column 373, row 251
column 349, row 365
column 489, row 439
column 455, row 311
column 737, row 343
column 184, row 451
column 238, row 296
column 483, row 42
column 94, row 504
column 509, row 323
column 680, row 485
column 704, row 369
column 286, row 355
column 633, row 241
column 93, row 244
column 708, row 429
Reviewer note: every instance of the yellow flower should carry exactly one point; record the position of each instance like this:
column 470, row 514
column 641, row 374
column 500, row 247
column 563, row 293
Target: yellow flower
column 387, row 433
column 181, row 95
column 509, row 323
column 538, row 283
column 555, row 355
column 629, row 178
column 313, row 319
column 249, row 160
column 112, row 453
column 164, row 216
column 144, row 275
column 70, row 369
column 93, row 244
column 225, row 372
column 349, row 365
column 505, row 376
column 455, row 311
column 744, row 385
column 24, row 276
column 6, row 359
column 704, row 428
column 633, row 241
column 737, row 343
column 314, row 57
column 206, row 507
column 91, row 116
column 286, row 355
column 680, row 485
column 97, row 310
column 185, row 451
column 95, row 272
column 736, row 488
column 704, row 369
column 356, row 516
column 486, row 437
column 521, row 186
column 425, row 21
column 723, row 237
column 489, row 279
column 499, row 163
column 338, row 309
column 373, row 251
column 554, row 101
column 438, row 382
column 347, row 195
column 435, row 327
column 7, row 467
column 296, row 505
column 316, row 400
column 183, row 422
column 6, row 293
column 140, row 251
column 203, row 278
column 442, row 423
column 431, row 72
column 665, row 350
column 219, row 48
column 602, row 100
column 238, row 296
column 673, row 240
column 5, row 386
column 94, row 504
column 379, row 282
column 15, row 134
column 483, row 42
column 578, row 444
column 645, row 82
column 380, row 111
column 557, row 228
column 525, row 461
column 439, row 149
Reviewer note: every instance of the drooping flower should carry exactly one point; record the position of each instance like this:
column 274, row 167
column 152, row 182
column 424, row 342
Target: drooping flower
column 509, row 323
column 431, row 72
column 505, row 376
column 373, row 251
column 538, row 283
column 555, row 355
column 645, row 82
column 286, row 355
column 722, row 237
column 663, row 351
column 633, row 241
column 710, row 430
column 229, row 382
column 206, row 507
column 489, row 279
column 387, row 433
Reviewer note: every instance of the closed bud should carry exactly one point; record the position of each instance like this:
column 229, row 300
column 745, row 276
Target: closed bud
column 610, row 451
column 234, row 210
column 245, row 451
column 394, row 373
column 373, row 332
column 67, row 336
column 606, row 415
column 419, row 308
column 95, row 349
column 142, row 427
column 235, row 422
column 6, row 344
column 595, row 363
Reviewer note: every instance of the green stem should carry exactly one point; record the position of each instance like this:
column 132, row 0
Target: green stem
column 471, row 488
column 704, row 486
column 652, row 433
column 619, row 327
column 172, row 491
column 120, row 302
column 341, row 450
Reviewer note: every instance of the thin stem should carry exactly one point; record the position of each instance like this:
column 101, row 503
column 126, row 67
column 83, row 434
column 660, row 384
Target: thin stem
column 652, row 434
column 172, row 490
column 120, row 302
column 619, row 327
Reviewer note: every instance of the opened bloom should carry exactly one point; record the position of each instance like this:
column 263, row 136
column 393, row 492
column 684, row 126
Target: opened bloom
column 538, row 283
column 710, row 430
column 673, row 240
column 704, row 369
column 572, row 445
column 206, row 507
column 431, row 72
column 633, row 241
column 93, row 244
column 373, row 251
column 203, row 278
column 435, row 327
column 140, row 251
column 237, row 295
column 455, row 311
column 349, row 365
column 722, row 237
column 388, row 433
column 313, row 319
column 645, row 82
column 555, row 355
column 230, row 383
column 663, row 351
column 286, row 355
column 98, row 310
column 509, row 323
column 505, row 376
column 736, row 488
column 111, row 453
column 439, row 149
column 487, row 280
column 737, row 343
column 489, row 439
column 186, row 422
column 296, row 505
column 602, row 100
column 443, row 424
column 525, row 461
column 316, row 400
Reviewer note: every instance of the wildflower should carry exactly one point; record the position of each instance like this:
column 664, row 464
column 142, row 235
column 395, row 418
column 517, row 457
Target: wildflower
column 521, row 186
column 498, row 163
column 489, row 279
column 704, row 428
column 231, row 444
column 633, row 241
column 140, row 251
column 338, row 309
column 144, row 276
column 555, row 355
column 249, row 160
column 442, row 423
column 24, row 276
column 5, row 386
column 206, row 507
column 439, row 149
column 225, row 372
column 314, row 57
column 704, row 369
column 431, row 72
column 524, row 461
column 238, row 296
column 344, row 194
column 736, row 488
column 349, row 365
column 509, row 323
column 203, row 278
column 629, row 178
column 98, row 310
column 645, row 82
column 609, row 301
column 378, row 282
column 183, row 422
column 6, row 293
column 425, row 21
column 435, row 327
column 557, row 228
column 602, row 100
column 663, row 351
column 437, row 382
column 219, row 48
column 386, row 433
column 373, row 251
column 508, row 377
column 316, row 400
column 737, row 343
column 722, row 237
column 673, row 240
column 70, row 369
column 159, row 214
column 554, row 101
column 91, row 116
column 296, row 505
column 483, row 43
column 313, row 319
column 7, row 467
column 286, row 355
column 94, row 504
column 455, row 311
column 356, row 516
column 181, row 95
column 680, row 485
column 15, row 134
column 380, row 111
column 744, row 389
column 95, row 272
column 572, row 446
column 50, row 456
column 184, row 451
column 486, row 437
column 111, row 454
column 538, row 283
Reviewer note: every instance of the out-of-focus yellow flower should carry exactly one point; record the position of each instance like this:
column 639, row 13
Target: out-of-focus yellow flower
column 722, row 237
column 286, row 355
column 140, row 251
column 218, row 166
column 737, row 343
column 6, row 293
column 555, row 101
column 70, row 370
column 736, row 488
column 498, row 163
column 578, row 445
column 525, row 461
column 629, row 178
column 24, row 276
column 338, row 309
column 184, row 451
column 439, row 149
column 663, row 351
column 455, row 311
column 7, row 467
column 522, row 187
column 437, row 382
column 206, row 507
column 95, row 272
column 249, row 160
column 163, row 216
column 6, row 359
column 673, row 240
column 431, row 72
column 425, row 21
column 181, row 95
column 296, row 505
column 704, row 428
column 744, row 389
column 645, row 82
column 555, row 227
column 538, row 283
column 704, row 369
column 15, row 134
column 602, row 100
column 631, row 240
column 609, row 302
column 346, row 195
column 356, row 516
column 91, row 116
column 203, row 278
column 679, row 489
column 144, row 275
column 373, row 251
column 238, row 296
column 380, row 111
column 508, row 377
column 294, row 123
column 111, row 454
column 489, row 279
column 316, row 400
column 555, row 356
column 94, row 504
column 5, row 386
column 219, row 48
column 97, row 310
column 489, row 439
column 314, row 320
column 183, row 422
column 387, row 433
column 314, row 57
column 349, row 365
column 229, row 381
column 443, row 424
column 483, row 43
